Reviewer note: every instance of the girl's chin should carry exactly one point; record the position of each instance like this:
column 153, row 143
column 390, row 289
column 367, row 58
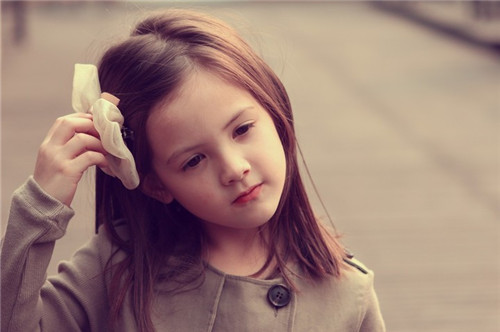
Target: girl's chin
column 238, row 224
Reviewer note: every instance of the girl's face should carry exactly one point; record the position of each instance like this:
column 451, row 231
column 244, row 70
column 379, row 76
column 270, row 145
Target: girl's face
column 216, row 151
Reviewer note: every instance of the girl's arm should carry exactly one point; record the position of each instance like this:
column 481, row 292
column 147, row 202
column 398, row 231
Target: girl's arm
column 75, row 299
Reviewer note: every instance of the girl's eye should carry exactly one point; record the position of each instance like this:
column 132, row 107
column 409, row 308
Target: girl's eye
column 242, row 130
column 193, row 162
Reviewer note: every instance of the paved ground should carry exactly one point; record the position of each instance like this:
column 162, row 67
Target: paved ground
column 399, row 126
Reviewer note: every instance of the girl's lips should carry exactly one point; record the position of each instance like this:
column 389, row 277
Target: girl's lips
column 248, row 195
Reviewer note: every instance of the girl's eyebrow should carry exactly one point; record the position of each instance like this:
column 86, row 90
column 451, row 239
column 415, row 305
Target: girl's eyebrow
column 194, row 147
column 236, row 116
column 182, row 151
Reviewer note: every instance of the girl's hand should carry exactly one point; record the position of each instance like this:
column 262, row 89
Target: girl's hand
column 72, row 145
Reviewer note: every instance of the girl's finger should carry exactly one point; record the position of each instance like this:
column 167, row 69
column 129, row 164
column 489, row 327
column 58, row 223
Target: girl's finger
column 65, row 128
column 87, row 159
column 68, row 117
column 80, row 143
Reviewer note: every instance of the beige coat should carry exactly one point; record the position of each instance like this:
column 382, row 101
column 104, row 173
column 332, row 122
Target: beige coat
column 75, row 299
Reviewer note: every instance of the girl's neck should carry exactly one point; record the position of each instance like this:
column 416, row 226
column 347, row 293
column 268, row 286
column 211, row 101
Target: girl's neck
column 236, row 251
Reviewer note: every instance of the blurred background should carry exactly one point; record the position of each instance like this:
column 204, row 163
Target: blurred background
column 397, row 111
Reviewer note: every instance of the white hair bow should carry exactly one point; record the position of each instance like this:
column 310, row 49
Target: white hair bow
column 108, row 121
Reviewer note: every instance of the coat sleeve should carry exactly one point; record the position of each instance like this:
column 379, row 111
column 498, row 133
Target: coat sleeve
column 73, row 300
column 372, row 320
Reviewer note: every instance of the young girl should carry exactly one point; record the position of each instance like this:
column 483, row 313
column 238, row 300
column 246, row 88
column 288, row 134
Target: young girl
column 203, row 220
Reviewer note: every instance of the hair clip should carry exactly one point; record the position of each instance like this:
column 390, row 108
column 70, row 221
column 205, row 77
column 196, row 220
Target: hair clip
column 127, row 134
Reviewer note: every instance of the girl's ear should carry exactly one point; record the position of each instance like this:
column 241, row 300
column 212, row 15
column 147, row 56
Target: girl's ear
column 152, row 187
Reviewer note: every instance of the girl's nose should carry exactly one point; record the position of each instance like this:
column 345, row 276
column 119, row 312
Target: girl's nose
column 234, row 169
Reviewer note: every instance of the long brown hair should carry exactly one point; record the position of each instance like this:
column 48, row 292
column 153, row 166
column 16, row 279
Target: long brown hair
column 143, row 71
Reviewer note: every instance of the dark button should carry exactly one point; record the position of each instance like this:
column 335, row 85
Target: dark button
column 278, row 296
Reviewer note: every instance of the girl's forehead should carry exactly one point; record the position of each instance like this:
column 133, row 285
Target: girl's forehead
column 200, row 95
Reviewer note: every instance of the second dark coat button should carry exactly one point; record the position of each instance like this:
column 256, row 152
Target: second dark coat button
column 279, row 296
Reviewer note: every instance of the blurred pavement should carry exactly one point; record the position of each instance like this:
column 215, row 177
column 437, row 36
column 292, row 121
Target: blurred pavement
column 399, row 126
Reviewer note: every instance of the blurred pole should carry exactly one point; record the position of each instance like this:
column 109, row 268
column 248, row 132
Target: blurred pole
column 19, row 13
column 15, row 14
